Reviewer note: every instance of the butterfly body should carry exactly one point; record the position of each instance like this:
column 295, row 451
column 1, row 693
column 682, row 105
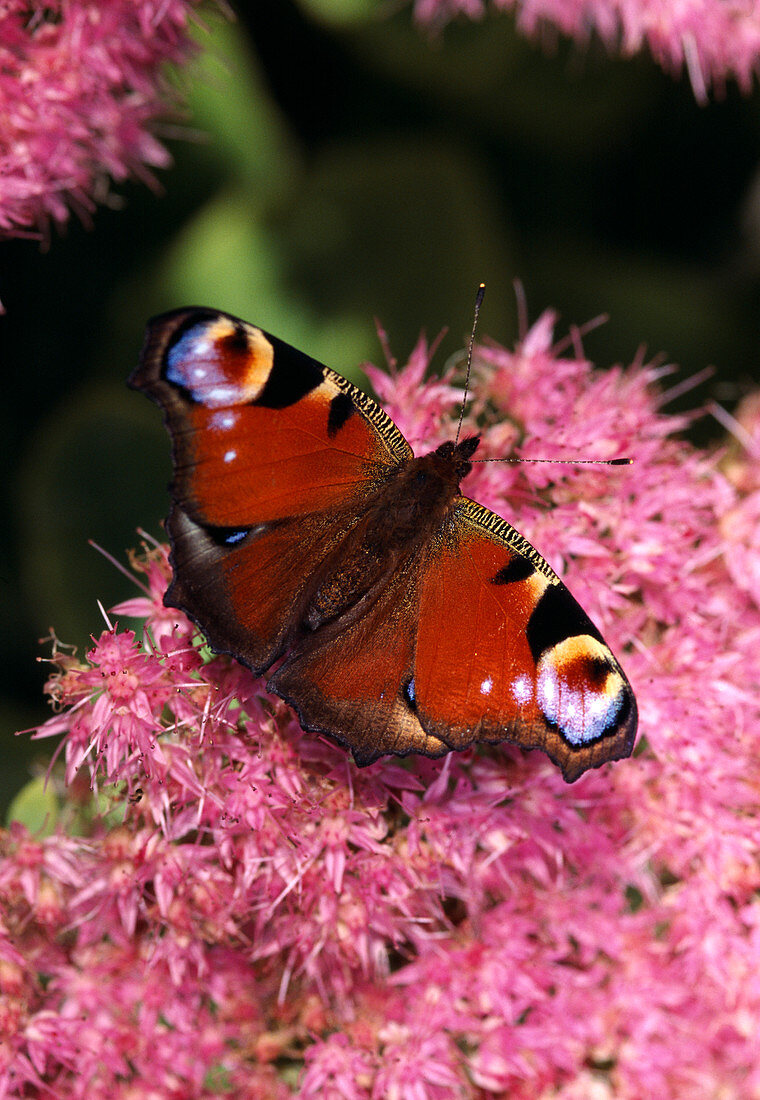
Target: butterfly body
column 405, row 617
column 408, row 509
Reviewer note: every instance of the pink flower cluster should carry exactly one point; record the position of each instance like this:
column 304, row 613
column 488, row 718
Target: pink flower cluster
column 255, row 917
column 714, row 39
column 80, row 85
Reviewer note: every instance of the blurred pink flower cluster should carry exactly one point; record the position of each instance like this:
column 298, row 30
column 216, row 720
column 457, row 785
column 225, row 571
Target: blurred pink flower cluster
column 81, row 82
column 255, row 917
column 714, row 39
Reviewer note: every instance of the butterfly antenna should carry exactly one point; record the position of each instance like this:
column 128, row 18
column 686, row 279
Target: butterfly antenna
column 564, row 461
column 478, row 303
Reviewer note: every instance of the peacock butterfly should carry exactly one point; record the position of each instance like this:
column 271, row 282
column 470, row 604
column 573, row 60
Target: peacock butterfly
column 410, row 618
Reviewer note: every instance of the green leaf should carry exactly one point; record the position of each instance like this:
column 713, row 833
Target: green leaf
column 35, row 806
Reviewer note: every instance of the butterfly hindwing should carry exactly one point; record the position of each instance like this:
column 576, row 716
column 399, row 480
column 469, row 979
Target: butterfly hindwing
column 353, row 682
column 248, row 589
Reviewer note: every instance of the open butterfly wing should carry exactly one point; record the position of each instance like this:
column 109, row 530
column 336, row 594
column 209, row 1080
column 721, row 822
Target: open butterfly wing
column 475, row 639
column 353, row 681
column 504, row 652
column 270, row 447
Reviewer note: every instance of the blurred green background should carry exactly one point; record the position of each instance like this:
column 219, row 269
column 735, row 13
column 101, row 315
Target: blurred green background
column 340, row 165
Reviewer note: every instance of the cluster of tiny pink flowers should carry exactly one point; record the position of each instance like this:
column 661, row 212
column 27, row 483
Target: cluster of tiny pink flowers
column 713, row 39
column 253, row 916
column 81, row 84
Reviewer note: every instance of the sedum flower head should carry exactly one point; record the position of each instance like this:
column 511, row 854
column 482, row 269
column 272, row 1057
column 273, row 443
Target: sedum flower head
column 714, row 40
column 80, row 85
column 253, row 916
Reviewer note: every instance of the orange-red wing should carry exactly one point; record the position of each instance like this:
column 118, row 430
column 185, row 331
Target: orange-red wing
column 504, row 652
column 249, row 595
column 473, row 638
column 275, row 457
column 260, row 431
column 353, row 682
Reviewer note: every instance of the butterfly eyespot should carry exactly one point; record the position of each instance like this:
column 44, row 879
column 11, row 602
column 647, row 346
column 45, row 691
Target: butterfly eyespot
column 596, row 670
column 218, row 361
column 408, row 694
column 228, row 536
column 399, row 616
column 580, row 689
column 235, row 342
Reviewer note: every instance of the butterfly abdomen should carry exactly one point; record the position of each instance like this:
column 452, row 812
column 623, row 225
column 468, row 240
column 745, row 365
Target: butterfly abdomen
column 408, row 507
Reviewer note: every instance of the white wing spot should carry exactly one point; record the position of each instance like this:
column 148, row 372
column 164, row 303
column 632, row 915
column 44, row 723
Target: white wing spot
column 223, row 421
column 522, row 690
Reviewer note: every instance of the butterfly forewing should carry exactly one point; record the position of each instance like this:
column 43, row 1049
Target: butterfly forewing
column 520, row 658
column 260, row 431
column 274, row 458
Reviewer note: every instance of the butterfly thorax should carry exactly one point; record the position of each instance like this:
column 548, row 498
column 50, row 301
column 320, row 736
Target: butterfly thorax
column 402, row 516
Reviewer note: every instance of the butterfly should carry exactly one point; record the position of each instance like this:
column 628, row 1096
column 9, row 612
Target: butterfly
column 405, row 617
